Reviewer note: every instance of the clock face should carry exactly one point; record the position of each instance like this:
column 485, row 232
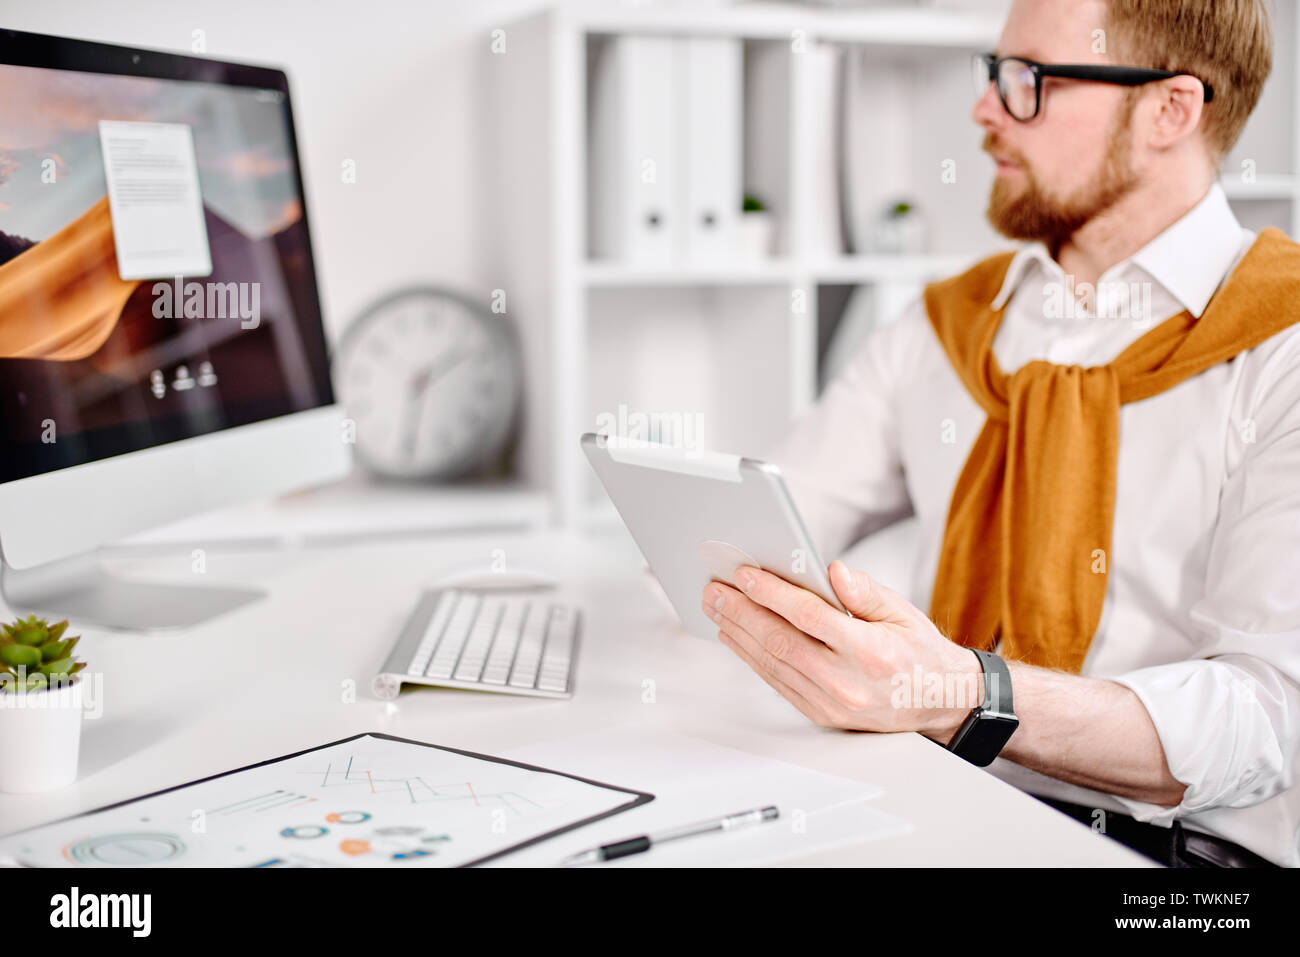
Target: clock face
column 431, row 382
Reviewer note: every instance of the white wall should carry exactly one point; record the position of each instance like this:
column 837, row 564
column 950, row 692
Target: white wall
column 393, row 84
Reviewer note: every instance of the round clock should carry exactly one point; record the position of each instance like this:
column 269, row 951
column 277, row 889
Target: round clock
column 431, row 380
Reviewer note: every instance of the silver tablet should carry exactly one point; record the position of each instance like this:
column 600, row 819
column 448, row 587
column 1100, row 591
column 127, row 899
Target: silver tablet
column 697, row 516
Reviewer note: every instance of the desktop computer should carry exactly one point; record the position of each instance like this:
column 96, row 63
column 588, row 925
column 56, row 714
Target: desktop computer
column 161, row 344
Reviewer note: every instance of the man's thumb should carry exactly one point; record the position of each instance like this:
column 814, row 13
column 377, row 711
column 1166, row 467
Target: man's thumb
column 865, row 598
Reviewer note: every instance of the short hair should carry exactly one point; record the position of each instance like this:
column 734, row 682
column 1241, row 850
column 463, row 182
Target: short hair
column 1225, row 43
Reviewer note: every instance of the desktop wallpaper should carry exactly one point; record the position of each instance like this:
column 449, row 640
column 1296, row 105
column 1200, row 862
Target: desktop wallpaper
column 93, row 365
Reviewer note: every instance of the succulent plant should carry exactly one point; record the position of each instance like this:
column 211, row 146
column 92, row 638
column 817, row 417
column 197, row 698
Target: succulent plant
column 34, row 654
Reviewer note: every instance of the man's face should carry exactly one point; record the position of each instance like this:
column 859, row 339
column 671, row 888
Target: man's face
column 1074, row 160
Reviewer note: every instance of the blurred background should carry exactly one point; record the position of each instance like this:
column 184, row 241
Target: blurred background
column 682, row 209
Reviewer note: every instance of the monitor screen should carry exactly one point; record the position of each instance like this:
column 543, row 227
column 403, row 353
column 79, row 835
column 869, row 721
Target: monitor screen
column 156, row 276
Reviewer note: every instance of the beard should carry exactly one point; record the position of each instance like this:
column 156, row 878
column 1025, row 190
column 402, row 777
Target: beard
column 1036, row 214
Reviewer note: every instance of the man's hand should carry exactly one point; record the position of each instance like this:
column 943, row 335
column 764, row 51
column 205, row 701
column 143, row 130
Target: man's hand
column 870, row 672
column 889, row 669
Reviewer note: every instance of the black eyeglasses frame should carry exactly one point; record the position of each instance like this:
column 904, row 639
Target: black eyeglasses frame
column 1094, row 72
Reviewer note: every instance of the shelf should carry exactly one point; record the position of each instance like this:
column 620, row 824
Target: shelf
column 771, row 272
column 902, row 26
column 1268, row 186
column 774, row 272
column 903, row 268
column 909, row 26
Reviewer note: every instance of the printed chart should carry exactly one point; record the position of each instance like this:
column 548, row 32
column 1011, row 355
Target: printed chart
column 369, row 801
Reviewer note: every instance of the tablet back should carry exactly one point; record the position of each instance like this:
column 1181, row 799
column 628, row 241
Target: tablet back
column 698, row 516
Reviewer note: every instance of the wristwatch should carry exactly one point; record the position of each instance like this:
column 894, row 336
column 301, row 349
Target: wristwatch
column 987, row 728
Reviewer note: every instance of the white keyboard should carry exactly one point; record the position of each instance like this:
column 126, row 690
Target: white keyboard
column 509, row 642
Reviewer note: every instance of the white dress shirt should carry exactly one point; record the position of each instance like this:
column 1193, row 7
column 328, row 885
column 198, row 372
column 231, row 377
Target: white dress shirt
column 1202, row 610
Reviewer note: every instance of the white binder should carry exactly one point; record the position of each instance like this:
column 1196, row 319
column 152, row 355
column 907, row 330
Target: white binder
column 635, row 172
column 711, row 108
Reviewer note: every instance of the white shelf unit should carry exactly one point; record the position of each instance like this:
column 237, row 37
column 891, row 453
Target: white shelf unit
column 728, row 342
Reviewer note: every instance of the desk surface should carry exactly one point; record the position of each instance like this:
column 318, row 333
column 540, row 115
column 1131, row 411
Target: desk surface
column 294, row 670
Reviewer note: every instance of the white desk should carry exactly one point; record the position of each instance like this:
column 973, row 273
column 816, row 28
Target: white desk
column 273, row 678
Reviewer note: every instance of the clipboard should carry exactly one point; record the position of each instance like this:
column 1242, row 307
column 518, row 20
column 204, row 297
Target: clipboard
column 372, row 799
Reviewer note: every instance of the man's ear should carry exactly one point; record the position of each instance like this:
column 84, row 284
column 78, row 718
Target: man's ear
column 1179, row 109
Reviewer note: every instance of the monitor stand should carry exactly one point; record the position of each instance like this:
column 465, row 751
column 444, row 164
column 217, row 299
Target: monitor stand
column 83, row 591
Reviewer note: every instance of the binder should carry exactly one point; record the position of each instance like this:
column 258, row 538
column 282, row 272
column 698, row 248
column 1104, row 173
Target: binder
column 635, row 175
column 823, row 235
column 711, row 110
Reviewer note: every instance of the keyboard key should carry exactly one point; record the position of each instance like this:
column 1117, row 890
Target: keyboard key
column 529, row 655
column 559, row 637
column 506, row 642
column 453, row 640
column 471, row 661
column 548, row 682
column 559, row 649
column 441, row 614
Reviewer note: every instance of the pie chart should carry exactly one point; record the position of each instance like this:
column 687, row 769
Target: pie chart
column 141, row 848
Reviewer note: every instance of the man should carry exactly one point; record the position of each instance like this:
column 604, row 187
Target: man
column 1107, row 492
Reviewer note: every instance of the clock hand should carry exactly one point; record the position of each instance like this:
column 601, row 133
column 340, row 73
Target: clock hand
column 419, row 385
column 425, row 377
column 408, row 433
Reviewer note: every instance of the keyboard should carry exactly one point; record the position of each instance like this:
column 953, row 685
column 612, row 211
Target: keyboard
column 508, row 642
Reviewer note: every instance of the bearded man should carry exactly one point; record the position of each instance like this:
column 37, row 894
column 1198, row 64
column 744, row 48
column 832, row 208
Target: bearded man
column 1107, row 503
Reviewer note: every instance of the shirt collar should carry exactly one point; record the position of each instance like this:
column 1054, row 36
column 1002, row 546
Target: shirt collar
column 1192, row 256
column 1027, row 256
column 1189, row 259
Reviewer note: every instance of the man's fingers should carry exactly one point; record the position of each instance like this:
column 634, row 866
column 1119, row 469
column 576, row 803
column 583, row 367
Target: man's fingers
column 866, row 598
column 776, row 684
column 790, row 644
column 769, row 655
column 781, row 653
column 808, row 612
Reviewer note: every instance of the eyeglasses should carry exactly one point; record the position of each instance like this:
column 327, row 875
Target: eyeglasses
column 1020, row 81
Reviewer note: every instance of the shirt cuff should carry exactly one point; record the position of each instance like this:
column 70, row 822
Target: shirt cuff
column 1217, row 736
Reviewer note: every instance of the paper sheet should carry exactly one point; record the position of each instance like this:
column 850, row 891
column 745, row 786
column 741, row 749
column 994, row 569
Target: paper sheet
column 693, row 780
column 159, row 228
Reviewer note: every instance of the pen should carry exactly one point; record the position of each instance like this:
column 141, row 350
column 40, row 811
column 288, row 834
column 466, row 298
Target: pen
column 635, row 845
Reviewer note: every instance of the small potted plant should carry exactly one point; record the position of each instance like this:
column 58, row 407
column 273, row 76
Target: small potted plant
column 756, row 228
column 900, row 230
column 40, row 706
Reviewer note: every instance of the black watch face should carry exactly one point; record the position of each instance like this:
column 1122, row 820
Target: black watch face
column 983, row 736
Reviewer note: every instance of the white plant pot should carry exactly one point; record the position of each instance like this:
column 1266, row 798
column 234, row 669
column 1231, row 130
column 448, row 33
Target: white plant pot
column 756, row 233
column 901, row 235
column 40, row 738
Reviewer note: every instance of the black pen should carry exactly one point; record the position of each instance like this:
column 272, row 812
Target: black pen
column 635, row 845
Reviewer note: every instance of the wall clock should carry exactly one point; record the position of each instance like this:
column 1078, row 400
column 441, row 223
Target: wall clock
column 431, row 379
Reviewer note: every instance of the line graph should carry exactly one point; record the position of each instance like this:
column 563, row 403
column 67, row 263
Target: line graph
column 418, row 790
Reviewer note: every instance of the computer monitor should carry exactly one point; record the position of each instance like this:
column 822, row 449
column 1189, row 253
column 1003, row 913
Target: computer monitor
column 161, row 345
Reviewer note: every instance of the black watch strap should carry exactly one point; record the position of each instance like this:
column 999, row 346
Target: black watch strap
column 997, row 682
column 988, row 727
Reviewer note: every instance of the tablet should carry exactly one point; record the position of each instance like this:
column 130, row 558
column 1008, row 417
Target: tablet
column 698, row 515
